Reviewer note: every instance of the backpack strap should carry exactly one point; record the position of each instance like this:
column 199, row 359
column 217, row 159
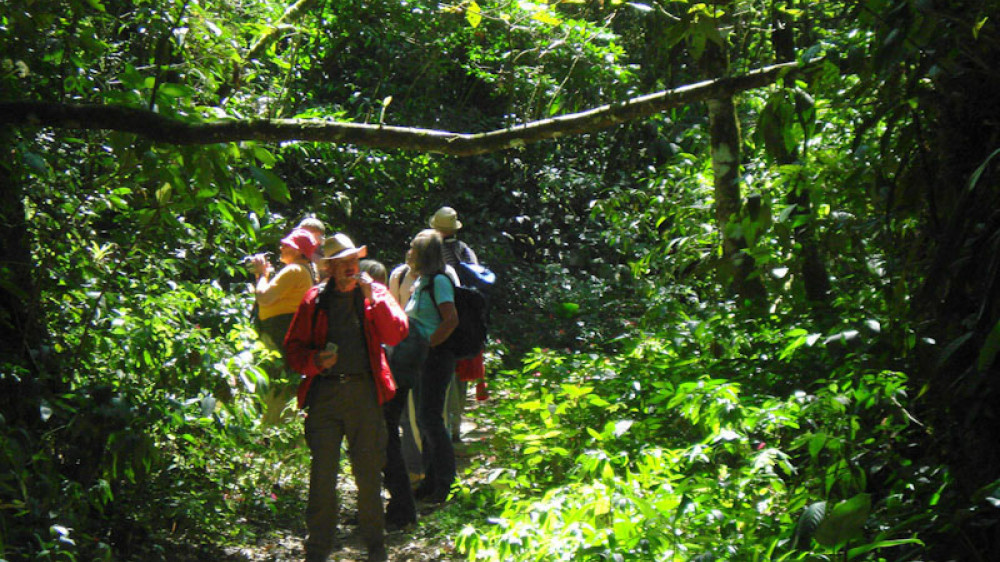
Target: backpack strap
column 399, row 274
column 319, row 302
column 465, row 253
column 359, row 309
column 430, row 287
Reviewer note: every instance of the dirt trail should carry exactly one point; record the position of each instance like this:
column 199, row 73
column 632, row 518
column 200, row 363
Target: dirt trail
column 422, row 543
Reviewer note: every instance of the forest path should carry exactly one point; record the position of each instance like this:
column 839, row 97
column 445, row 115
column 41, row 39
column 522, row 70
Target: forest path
column 422, row 543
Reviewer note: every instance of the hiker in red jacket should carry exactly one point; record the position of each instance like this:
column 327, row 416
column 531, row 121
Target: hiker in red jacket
column 335, row 341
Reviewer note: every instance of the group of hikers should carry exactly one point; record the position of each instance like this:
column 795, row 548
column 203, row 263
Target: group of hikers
column 370, row 355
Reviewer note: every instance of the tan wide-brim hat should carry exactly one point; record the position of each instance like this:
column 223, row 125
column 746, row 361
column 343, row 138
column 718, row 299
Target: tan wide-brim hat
column 445, row 218
column 340, row 246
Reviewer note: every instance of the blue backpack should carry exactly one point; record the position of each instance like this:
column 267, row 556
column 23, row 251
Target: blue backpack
column 475, row 276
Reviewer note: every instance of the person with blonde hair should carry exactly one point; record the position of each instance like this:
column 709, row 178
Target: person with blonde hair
column 431, row 309
column 318, row 229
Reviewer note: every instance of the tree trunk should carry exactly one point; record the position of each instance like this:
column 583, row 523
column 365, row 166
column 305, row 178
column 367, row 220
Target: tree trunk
column 726, row 142
column 21, row 329
column 811, row 263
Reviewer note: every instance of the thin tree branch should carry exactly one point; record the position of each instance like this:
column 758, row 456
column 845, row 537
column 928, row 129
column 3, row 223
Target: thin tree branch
column 265, row 40
column 282, row 25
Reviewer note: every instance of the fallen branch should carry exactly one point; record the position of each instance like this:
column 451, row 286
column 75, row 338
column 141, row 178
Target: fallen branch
column 160, row 128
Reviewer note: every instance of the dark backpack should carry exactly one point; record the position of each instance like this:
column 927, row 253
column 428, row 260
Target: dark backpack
column 469, row 338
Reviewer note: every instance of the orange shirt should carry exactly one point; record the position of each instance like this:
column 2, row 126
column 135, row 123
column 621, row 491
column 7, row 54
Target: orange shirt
column 286, row 291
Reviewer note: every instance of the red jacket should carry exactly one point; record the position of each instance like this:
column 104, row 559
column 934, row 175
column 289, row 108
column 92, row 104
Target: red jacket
column 385, row 323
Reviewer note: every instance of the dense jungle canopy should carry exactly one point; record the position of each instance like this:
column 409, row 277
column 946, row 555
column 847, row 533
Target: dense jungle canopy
column 748, row 251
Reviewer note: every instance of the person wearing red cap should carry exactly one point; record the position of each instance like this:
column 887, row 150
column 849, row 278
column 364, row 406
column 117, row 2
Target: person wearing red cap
column 278, row 298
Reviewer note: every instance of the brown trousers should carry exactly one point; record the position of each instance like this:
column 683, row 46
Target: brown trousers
column 337, row 410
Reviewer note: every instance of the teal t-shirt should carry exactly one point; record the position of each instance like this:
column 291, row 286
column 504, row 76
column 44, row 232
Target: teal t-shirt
column 421, row 310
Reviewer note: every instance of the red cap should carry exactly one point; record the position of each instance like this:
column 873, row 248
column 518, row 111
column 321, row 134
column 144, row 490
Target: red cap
column 302, row 240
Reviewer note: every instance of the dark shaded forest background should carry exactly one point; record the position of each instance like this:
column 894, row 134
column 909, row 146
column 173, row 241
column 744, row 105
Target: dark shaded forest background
column 759, row 326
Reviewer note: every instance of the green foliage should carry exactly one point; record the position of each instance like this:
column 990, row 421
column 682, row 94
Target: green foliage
column 656, row 418
column 636, row 456
column 157, row 433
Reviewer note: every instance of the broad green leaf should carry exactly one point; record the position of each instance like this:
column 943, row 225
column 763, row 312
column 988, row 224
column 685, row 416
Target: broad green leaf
column 164, row 193
column 37, row 163
column 473, row 14
column 974, row 179
column 845, row 521
column 547, row 18
column 856, row 552
column 573, row 392
column 990, row 348
column 808, row 522
column 786, row 213
column 555, row 105
column 709, row 28
column 569, row 309
column 789, row 349
column 976, row 29
column 595, row 400
column 264, row 156
column 176, row 91
column 531, row 405
column 275, row 187
column 602, row 506
column 816, row 444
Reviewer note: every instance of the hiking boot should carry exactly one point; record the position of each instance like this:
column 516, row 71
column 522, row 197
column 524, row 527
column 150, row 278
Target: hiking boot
column 321, row 552
column 376, row 553
column 400, row 524
column 437, row 498
column 398, row 518
column 424, row 490
column 314, row 556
